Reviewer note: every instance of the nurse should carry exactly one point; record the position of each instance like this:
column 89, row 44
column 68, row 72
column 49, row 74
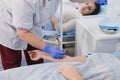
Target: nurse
column 20, row 29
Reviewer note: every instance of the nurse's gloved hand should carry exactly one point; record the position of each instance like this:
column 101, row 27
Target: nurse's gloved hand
column 54, row 51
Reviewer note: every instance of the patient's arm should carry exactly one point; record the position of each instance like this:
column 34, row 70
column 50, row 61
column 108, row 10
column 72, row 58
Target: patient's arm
column 69, row 72
column 37, row 54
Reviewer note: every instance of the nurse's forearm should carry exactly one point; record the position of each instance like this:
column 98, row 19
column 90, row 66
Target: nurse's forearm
column 30, row 38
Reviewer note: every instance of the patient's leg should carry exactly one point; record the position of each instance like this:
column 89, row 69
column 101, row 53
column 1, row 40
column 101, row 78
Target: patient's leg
column 37, row 54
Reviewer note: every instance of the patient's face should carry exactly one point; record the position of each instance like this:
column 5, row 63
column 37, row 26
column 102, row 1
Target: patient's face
column 87, row 8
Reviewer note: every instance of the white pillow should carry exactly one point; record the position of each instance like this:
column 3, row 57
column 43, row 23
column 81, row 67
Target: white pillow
column 103, row 10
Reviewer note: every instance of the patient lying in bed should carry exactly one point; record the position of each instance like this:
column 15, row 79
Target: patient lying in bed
column 70, row 15
column 94, row 67
column 71, row 73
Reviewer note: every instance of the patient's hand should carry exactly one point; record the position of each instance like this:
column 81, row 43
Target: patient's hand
column 70, row 72
column 35, row 55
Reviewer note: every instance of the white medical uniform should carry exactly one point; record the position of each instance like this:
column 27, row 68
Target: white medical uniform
column 25, row 14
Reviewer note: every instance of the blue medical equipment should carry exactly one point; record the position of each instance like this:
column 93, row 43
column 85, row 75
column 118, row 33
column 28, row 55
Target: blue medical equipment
column 102, row 2
column 109, row 29
column 109, row 25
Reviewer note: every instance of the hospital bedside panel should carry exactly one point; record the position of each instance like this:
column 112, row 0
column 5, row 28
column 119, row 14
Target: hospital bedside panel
column 81, row 41
column 107, row 45
column 85, row 43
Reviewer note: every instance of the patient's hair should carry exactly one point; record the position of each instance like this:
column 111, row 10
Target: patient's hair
column 97, row 9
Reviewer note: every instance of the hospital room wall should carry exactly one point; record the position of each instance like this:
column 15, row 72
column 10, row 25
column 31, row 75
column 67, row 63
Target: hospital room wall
column 113, row 8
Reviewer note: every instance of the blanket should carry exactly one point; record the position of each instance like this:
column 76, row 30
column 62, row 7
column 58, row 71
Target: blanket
column 95, row 68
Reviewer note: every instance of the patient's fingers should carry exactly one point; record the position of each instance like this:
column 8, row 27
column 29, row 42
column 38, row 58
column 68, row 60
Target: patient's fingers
column 31, row 54
column 34, row 55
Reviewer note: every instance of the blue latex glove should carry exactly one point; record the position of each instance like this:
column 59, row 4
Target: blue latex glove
column 54, row 51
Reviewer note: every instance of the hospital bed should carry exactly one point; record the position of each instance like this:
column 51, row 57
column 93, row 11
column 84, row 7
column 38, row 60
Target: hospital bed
column 98, row 66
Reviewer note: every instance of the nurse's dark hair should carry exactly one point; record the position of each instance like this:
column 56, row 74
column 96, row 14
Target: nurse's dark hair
column 97, row 9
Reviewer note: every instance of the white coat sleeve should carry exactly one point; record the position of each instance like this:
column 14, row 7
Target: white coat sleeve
column 70, row 25
column 22, row 14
